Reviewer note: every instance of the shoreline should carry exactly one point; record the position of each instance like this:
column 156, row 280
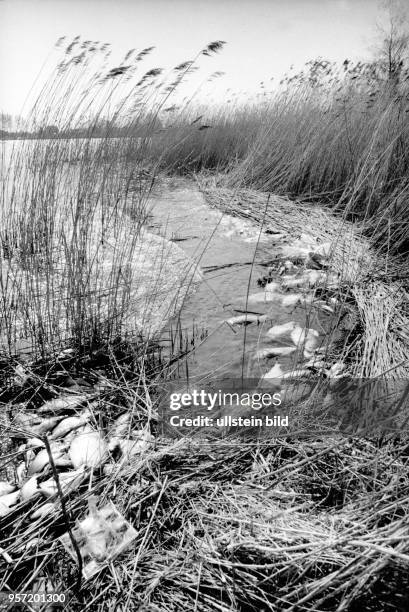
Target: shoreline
column 362, row 270
column 222, row 511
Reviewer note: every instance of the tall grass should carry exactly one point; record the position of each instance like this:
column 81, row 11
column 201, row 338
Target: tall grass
column 74, row 196
column 278, row 524
column 339, row 135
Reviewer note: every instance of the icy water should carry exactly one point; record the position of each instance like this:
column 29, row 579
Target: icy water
column 224, row 247
column 230, row 254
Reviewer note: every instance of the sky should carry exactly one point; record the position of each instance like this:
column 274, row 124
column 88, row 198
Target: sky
column 264, row 37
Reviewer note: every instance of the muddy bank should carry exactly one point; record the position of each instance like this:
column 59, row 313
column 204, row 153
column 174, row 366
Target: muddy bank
column 378, row 336
column 235, row 305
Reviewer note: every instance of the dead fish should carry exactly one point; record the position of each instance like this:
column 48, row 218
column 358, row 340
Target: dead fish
column 30, row 454
column 69, row 437
column 88, row 449
column 314, row 277
column 272, row 292
column 135, row 446
column 21, row 472
column 7, row 502
column 287, row 266
column 295, row 252
column 246, row 319
column 70, row 423
column 309, row 347
column 26, row 420
column 310, row 300
column 27, row 452
column 38, row 463
column 296, row 374
column 6, row 488
column 64, row 402
column 30, row 489
column 45, row 425
column 280, row 330
column 121, row 426
column 49, row 488
column 35, row 443
column 307, row 338
column 304, row 336
column 291, row 300
column 322, row 305
column 85, row 429
column 45, row 509
column 119, row 431
column 42, row 458
column 69, row 481
column 309, row 279
column 263, row 297
column 63, row 461
column 272, row 287
column 273, row 375
column 292, row 282
column 274, row 351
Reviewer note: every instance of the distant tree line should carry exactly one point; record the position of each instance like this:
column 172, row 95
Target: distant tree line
column 94, row 129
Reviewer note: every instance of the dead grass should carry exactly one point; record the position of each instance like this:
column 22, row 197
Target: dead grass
column 370, row 281
column 77, row 188
column 332, row 134
column 281, row 524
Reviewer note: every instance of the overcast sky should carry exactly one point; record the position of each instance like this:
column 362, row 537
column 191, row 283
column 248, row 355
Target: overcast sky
column 264, row 37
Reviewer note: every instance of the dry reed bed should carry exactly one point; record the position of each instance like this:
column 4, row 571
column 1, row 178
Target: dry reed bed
column 382, row 304
column 283, row 524
column 333, row 133
column 277, row 525
column 280, row 525
column 89, row 126
column 134, row 282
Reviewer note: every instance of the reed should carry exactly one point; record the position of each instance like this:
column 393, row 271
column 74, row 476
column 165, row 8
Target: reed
column 221, row 524
column 75, row 197
column 275, row 524
column 329, row 134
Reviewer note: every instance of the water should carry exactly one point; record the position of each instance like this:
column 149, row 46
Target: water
column 214, row 239
column 225, row 249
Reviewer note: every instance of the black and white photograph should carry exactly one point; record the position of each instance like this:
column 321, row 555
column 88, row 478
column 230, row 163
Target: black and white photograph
column 204, row 305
